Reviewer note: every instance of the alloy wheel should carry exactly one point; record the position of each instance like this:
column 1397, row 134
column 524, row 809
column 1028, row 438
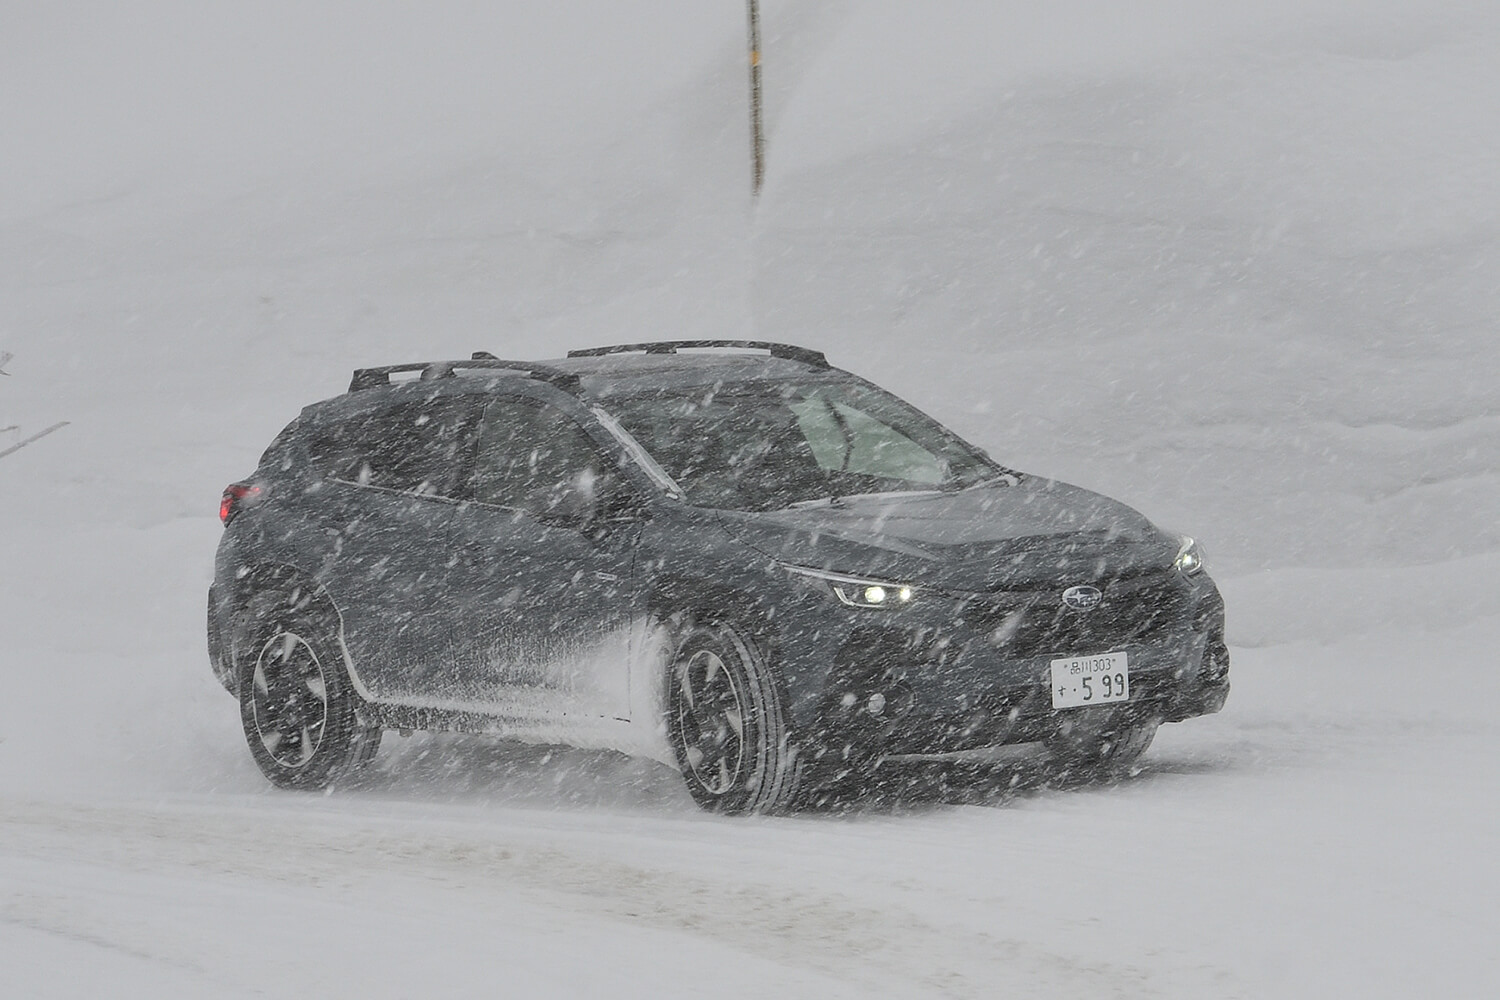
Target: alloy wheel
column 711, row 714
column 289, row 698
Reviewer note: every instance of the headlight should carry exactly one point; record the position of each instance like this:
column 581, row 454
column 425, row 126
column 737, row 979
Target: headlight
column 858, row 591
column 1189, row 557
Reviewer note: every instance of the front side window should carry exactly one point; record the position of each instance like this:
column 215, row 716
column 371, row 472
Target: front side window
column 533, row 457
column 760, row 446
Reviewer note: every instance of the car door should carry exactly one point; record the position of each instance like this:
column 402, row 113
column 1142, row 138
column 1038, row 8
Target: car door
column 542, row 568
column 391, row 482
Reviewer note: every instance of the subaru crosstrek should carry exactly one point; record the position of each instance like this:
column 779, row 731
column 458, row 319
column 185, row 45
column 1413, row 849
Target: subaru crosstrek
column 731, row 556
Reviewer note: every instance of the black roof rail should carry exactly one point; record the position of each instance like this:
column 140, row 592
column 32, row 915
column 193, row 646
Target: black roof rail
column 790, row 352
column 371, row 378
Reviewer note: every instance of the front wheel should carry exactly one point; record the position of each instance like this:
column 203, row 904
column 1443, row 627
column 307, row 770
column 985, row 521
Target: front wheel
column 296, row 705
column 728, row 727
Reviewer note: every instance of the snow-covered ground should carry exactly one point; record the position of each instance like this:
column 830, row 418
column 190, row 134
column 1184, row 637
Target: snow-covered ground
column 1239, row 269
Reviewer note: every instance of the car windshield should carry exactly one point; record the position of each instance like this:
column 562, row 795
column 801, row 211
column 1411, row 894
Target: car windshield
column 765, row 446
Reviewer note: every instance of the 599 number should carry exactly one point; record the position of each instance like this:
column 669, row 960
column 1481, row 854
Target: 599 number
column 1090, row 680
column 1111, row 687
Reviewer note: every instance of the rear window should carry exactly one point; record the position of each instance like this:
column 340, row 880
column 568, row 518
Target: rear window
column 278, row 455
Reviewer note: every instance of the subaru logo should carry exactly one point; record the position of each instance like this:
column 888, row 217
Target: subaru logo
column 1082, row 598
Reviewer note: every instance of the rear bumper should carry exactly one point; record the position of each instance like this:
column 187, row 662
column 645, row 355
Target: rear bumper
column 218, row 652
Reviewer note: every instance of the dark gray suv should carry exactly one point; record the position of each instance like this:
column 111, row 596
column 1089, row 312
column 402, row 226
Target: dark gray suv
column 727, row 555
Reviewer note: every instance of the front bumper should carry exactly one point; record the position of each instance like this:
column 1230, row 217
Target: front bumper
column 976, row 673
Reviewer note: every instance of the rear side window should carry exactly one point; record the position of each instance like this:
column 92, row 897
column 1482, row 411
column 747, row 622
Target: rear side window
column 417, row 447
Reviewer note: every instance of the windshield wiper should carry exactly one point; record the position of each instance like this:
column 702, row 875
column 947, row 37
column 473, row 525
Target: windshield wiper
column 1010, row 479
column 842, row 499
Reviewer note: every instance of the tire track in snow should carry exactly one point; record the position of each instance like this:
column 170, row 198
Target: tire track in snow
column 870, row 939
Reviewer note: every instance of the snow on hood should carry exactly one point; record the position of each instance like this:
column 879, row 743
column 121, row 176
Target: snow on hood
column 976, row 539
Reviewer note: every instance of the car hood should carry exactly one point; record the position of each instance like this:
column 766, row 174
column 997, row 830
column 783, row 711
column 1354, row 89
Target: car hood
column 1037, row 532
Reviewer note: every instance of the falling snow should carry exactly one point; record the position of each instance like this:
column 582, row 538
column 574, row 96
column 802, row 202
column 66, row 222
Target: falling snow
column 1238, row 269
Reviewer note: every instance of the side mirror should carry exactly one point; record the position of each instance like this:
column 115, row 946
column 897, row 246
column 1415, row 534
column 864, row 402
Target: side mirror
column 615, row 499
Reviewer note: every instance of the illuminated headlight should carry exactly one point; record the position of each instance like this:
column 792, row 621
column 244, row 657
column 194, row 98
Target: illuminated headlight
column 856, row 591
column 1189, row 557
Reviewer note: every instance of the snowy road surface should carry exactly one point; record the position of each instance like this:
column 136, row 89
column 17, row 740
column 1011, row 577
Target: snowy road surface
column 1320, row 840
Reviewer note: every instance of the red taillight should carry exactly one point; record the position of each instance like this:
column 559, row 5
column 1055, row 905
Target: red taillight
column 233, row 494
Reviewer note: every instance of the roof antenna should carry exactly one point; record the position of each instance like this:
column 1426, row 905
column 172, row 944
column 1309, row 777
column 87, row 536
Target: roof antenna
column 483, row 356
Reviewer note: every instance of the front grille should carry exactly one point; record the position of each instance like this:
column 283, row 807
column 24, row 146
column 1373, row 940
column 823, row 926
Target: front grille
column 1138, row 610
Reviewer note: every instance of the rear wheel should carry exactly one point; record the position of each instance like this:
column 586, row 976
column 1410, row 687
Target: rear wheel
column 296, row 704
column 728, row 727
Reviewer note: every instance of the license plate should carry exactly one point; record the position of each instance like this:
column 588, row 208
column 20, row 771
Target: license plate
column 1090, row 680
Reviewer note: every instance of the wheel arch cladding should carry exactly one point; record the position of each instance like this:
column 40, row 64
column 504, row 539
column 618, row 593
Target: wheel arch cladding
column 754, row 616
column 275, row 581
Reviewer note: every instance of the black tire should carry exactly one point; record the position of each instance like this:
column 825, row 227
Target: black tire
column 728, row 726
column 297, row 707
column 1100, row 741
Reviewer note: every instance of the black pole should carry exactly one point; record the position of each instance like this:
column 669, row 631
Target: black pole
column 757, row 129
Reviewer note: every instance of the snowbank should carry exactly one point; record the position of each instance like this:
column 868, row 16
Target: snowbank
column 1237, row 268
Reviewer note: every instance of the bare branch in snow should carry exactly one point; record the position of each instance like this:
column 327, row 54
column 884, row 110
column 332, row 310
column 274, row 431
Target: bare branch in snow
column 39, row 434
